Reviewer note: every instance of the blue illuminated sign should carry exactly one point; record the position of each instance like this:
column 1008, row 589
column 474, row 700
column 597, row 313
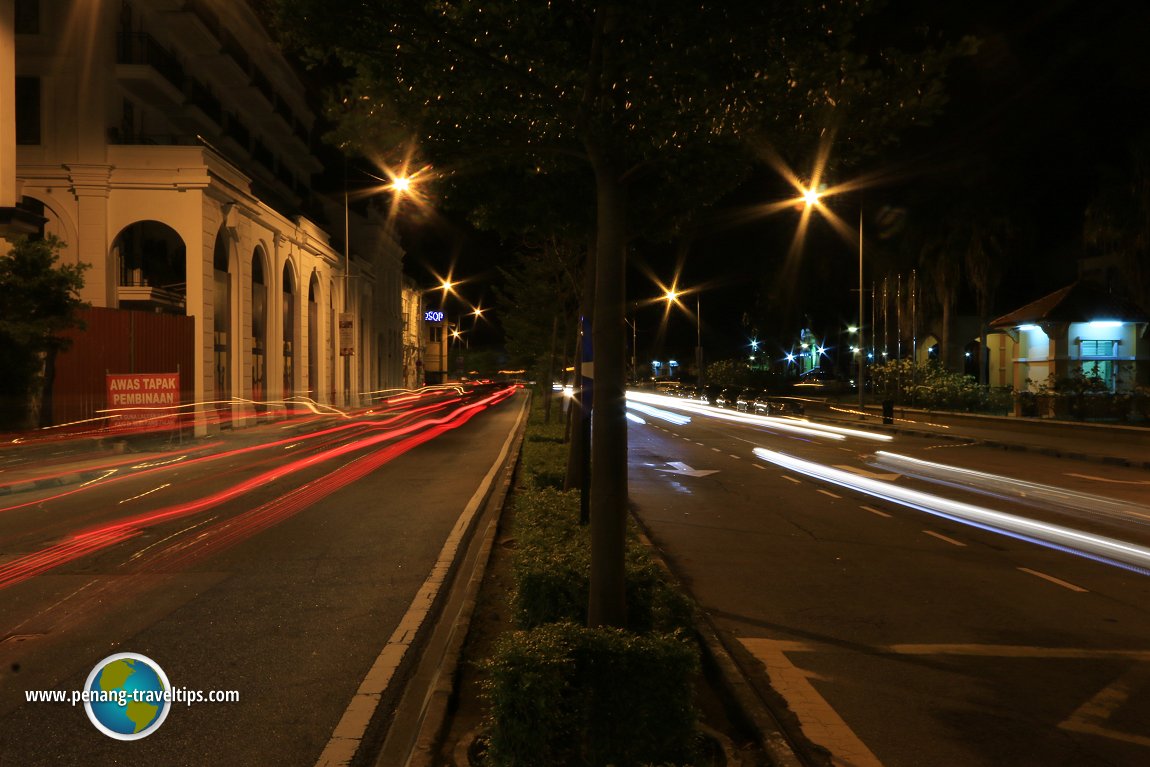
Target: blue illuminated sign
column 433, row 316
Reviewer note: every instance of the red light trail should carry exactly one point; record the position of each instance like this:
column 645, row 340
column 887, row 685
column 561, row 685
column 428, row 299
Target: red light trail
column 248, row 523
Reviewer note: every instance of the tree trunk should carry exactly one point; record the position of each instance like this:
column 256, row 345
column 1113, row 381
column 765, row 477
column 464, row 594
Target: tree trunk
column 947, row 356
column 578, row 455
column 607, row 605
column 549, row 391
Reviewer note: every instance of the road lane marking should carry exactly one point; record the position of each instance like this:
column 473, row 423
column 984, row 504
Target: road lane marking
column 759, row 466
column 875, row 511
column 736, row 457
column 700, row 444
column 942, row 537
column 1052, row 579
column 819, row 722
column 717, row 450
column 1093, row 716
column 789, row 478
column 886, row 477
column 678, row 467
column 832, row 495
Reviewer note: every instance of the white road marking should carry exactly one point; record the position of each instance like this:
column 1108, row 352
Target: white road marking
column 832, row 495
column 1093, row 716
column 865, row 473
column 942, row 537
column 736, row 457
column 819, row 722
column 1052, row 579
column 875, row 511
column 684, row 469
column 791, row 479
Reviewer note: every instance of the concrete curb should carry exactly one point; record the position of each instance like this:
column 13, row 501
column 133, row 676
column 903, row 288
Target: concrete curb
column 435, row 717
column 728, row 675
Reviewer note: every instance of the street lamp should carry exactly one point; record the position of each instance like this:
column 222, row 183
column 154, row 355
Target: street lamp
column 813, row 199
column 671, row 296
column 401, row 185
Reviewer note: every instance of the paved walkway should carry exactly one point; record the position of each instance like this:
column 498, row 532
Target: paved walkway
column 1106, row 443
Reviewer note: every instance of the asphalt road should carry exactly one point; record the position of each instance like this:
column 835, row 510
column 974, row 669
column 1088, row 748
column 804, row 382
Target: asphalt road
column 896, row 636
column 276, row 566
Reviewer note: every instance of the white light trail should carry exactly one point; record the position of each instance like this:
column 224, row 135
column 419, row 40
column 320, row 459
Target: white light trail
column 1099, row 548
column 654, row 412
column 1031, row 493
column 792, row 425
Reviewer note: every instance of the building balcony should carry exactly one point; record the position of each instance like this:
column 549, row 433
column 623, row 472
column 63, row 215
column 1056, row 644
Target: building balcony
column 149, row 71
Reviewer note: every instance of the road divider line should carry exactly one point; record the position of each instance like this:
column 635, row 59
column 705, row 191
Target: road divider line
column 789, row 478
column 830, row 494
column 942, row 537
column 875, row 511
column 736, row 457
column 1052, row 579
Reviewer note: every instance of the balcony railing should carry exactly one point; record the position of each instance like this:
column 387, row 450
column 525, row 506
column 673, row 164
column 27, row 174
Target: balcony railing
column 142, row 49
column 200, row 96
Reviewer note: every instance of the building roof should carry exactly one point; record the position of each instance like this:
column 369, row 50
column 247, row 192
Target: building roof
column 1080, row 302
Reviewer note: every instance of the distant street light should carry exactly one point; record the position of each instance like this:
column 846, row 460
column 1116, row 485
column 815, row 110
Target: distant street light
column 672, row 297
column 813, row 199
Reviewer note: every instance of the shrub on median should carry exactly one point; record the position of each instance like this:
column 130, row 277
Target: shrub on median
column 543, row 460
column 553, row 567
column 563, row 694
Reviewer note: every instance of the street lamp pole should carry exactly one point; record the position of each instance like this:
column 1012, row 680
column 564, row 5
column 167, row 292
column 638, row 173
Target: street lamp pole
column 699, row 338
column 633, row 322
column 346, row 281
column 862, row 330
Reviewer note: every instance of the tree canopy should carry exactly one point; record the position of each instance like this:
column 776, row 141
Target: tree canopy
column 656, row 107
column 38, row 300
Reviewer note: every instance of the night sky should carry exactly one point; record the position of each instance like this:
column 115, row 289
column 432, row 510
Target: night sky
column 1052, row 99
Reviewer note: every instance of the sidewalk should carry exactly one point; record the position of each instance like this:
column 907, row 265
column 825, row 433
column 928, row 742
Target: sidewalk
column 1084, row 441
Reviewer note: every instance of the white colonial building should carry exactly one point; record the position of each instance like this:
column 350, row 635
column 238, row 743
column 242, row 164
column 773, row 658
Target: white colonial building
column 170, row 145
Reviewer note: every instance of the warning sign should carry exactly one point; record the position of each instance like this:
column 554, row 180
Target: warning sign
column 139, row 399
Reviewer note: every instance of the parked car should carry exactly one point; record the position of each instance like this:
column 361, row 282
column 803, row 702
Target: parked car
column 767, row 405
column 687, row 392
column 726, row 398
column 709, row 395
column 745, row 402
